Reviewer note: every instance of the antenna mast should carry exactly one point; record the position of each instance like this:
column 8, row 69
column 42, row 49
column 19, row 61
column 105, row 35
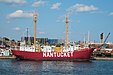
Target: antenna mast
column 27, row 37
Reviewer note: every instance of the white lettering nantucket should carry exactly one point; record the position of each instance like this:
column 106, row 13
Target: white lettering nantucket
column 57, row 54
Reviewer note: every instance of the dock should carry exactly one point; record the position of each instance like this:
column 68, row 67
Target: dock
column 95, row 58
column 103, row 58
column 7, row 57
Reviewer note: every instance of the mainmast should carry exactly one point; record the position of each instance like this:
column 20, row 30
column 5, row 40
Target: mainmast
column 35, row 21
column 66, row 31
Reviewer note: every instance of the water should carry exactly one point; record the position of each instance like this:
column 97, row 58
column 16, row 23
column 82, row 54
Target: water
column 13, row 67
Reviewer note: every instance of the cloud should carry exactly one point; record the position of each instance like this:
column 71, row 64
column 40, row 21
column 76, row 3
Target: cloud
column 13, row 1
column 111, row 14
column 56, row 6
column 8, row 21
column 16, row 28
column 20, row 14
column 63, row 19
column 38, row 3
column 42, row 33
column 93, row 12
column 81, row 8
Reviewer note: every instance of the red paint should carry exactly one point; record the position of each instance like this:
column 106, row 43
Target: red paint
column 81, row 54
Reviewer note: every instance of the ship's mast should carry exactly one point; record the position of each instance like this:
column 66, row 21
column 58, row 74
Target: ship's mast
column 35, row 21
column 66, row 31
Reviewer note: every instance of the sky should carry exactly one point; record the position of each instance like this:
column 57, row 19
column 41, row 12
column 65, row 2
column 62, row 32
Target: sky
column 85, row 16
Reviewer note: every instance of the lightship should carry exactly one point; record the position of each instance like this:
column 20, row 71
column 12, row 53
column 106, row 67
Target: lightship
column 52, row 53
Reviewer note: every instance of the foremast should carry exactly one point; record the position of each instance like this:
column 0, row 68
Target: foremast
column 35, row 22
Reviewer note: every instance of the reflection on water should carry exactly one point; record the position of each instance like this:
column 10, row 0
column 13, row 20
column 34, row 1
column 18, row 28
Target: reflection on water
column 57, row 67
column 13, row 67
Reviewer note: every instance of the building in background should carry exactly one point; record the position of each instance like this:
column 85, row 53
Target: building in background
column 43, row 41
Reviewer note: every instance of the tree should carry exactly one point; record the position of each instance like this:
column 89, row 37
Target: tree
column 6, row 39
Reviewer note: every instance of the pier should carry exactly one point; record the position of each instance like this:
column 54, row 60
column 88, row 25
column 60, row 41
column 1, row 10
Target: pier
column 95, row 58
column 7, row 57
column 103, row 58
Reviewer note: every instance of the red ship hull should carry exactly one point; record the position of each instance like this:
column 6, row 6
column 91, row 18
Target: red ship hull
column 84, row 54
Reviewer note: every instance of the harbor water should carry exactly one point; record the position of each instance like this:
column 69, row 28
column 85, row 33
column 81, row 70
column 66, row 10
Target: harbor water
column 95, row 67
